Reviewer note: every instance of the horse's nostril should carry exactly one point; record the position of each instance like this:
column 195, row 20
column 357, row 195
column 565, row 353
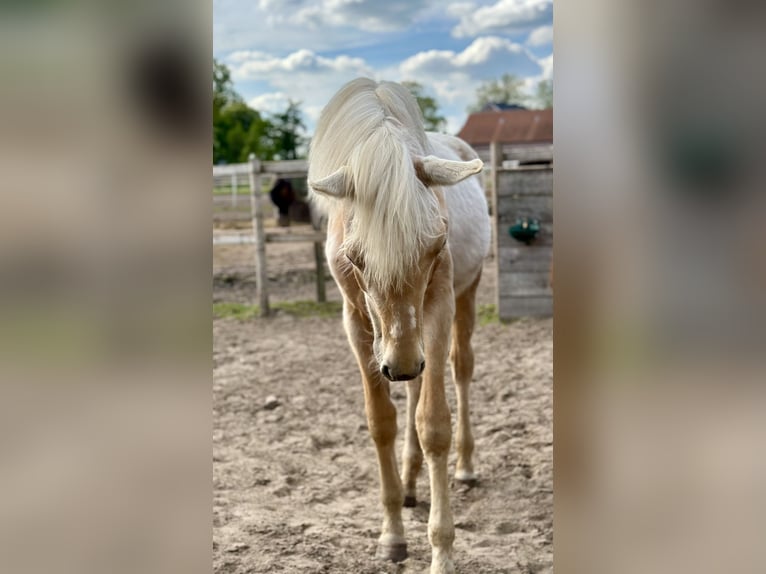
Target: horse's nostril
column 422, row 367
column 386, row 372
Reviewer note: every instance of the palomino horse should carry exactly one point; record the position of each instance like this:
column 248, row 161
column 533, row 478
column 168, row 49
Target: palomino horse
column 405, row 243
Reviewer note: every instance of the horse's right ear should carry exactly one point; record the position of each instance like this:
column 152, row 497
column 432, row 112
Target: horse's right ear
column 336, row 185
column 437, row 171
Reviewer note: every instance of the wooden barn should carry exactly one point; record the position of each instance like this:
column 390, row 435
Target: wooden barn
column 517, row 145
column 526, row 135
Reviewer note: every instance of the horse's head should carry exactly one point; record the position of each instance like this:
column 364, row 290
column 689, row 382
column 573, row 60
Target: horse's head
column 395, row 271
column 396, row 311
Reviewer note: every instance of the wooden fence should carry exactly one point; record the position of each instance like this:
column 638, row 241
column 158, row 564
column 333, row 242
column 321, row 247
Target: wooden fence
column 523, row 270
column 253, row 172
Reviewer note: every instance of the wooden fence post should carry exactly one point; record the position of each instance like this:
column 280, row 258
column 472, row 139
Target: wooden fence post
column 495, row 160
column 259, row 236
column 319, row 257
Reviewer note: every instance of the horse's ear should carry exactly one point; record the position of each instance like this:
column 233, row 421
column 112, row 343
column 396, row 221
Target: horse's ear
column 334, row 185
column 432, row 170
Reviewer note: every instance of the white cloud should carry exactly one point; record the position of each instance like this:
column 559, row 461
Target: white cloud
column 505, row 16
column 541, row 36
column 301, row 76
column 371, row 15
column 454, row 77
column 484, row 58
column 546, row 73
column 259, row 65
column 289, row 25
column 461, row 10
column 279, row 50
column 271, row 103
column 547, row 65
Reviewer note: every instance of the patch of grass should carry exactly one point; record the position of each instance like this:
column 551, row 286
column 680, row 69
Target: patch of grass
column 243, row 312
column 310, row 308
column 243, row 189
column 488, row 315
column 226, row 190
column 235, row 311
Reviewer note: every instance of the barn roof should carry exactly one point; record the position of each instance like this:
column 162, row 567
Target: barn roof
column 511, row 126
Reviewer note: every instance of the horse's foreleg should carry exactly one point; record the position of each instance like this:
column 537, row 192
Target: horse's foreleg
column 412, row 457
column 461, row 357
column 381, row 420
column 435, row 432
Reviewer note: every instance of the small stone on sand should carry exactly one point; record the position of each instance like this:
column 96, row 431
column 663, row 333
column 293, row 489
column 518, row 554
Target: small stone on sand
column 271, row 403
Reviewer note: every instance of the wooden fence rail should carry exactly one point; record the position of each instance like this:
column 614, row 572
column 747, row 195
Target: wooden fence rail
column 254, row 171
column 523, row 270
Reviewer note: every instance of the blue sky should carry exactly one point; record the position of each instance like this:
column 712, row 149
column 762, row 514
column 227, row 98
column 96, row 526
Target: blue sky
column 307, row 49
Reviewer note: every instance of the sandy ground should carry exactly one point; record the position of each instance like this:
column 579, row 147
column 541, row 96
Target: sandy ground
column 295, row 482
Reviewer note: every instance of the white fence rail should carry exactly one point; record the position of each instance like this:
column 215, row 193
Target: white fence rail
column 253, row 172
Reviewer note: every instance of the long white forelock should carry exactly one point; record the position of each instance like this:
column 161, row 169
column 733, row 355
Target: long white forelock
column 350, row 117
column 394, row 216
column 376, row 129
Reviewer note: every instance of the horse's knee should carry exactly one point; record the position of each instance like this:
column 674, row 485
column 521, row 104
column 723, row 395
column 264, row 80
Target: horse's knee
column 461, row 357
column 435, row 435
column 382, row 427
column 383, row 433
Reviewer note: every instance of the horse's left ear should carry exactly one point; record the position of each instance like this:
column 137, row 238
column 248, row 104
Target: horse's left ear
column 432, row 170
column 334, row 185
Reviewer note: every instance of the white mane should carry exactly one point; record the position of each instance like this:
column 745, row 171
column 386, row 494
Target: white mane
column 375, row 129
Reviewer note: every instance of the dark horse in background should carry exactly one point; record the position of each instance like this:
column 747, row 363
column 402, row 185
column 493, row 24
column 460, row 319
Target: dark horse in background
column 283, row 196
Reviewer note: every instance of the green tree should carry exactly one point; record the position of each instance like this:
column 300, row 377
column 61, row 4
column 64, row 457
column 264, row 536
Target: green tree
column 223, row 88
column 506, row 90
column 223, row 95
column 285, row 131
column 544, row 94
column 432, row 121
column 235, row 144
column 239, row 130
column 258, row 141
column 244, row 131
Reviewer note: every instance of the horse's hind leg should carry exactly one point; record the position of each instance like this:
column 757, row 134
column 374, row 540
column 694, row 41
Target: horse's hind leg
column 412, row 457
column 461, row 357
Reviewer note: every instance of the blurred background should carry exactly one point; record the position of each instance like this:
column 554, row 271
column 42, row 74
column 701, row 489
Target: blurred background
column 105, row 254
column 660, row 277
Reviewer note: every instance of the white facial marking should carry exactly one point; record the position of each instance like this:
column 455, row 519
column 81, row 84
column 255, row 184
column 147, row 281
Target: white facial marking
column 413, row 321
column 396, row 330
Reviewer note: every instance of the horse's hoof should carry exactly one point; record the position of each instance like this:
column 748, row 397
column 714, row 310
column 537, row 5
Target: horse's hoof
column 410, row 502
column 396, row 552
column 467, row 478
column 441, row 564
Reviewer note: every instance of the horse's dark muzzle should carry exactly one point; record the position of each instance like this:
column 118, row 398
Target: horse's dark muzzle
column 393, row 375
